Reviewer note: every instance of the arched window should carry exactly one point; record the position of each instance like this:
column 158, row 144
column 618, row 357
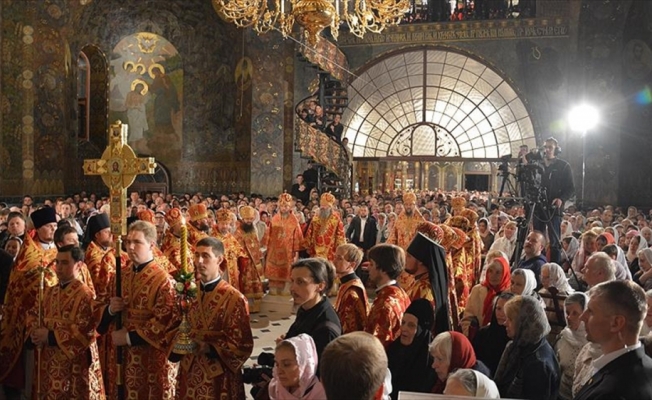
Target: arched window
column 83, row 95
column 437, row 103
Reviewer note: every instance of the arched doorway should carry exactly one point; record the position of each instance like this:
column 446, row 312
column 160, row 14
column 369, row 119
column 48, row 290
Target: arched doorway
column 159, row 181
column 434, row 104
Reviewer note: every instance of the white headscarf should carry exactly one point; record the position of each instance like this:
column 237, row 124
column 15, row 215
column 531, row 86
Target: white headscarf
column 530, row 280
column 568, row 231
column 486, row 388
column 558, row 278
column 642, row 244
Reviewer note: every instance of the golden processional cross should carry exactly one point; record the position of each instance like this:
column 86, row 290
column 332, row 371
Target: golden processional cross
column 118, row 168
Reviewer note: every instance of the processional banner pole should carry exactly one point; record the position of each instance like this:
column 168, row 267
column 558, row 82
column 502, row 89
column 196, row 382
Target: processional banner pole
column 118, row 168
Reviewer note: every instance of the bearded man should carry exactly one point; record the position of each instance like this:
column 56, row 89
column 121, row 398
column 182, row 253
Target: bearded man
column 283, row 245
column 403, row 232
column 234, row 254
column 251, row 267
column 198, row 228
column 326, row 231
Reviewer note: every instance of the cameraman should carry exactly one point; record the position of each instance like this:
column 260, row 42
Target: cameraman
column 557, row 179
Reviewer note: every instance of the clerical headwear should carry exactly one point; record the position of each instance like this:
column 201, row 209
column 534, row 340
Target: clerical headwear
column 458, row 203
column 247, row 212
column 459, row 222
column 223, row 215
column 173, row 217
column 409, row 198
column 197, row 212
column 43, row 216
column 327, row 199
column 471, row 215
column 285, row 199
column 433, row 257
column 432, row 231
column 146, row 215
column 96, row 223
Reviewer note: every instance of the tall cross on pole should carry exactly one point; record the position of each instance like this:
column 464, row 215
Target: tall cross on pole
column 118, row 168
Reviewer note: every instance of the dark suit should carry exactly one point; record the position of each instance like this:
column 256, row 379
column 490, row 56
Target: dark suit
column 369, row 235
column 628, row 377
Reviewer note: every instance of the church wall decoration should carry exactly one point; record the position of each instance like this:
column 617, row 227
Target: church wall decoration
column 146, row 92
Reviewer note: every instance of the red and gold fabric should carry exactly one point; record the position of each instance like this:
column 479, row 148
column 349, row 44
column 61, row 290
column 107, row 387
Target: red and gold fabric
column 352, row 306
column 164, row 262
column 421, row 289
column 171, row 248
column 21, row 298
column 462, row 265
column 71, row 369
column 99, row 274
column 283, row 243
column 220, row 318
column 151, row 311
column 384, row 320
column 401, row 235
column 474, row 245
column 195, row 235
column 324, row 236
column 251, row 267
column 234, row 256
column 449, row 239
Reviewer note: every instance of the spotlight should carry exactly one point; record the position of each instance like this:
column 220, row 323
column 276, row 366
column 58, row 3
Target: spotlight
column 583, row 118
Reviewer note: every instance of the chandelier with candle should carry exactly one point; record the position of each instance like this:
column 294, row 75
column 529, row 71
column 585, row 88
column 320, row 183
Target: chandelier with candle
column 360, row 16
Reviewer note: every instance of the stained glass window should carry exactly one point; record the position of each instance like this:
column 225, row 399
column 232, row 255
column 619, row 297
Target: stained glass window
column 432, row 102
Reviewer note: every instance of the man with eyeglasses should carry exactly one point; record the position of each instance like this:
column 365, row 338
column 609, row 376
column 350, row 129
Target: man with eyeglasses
column 557, row 179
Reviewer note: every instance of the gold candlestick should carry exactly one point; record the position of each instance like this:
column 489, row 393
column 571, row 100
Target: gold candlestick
column 184, row 343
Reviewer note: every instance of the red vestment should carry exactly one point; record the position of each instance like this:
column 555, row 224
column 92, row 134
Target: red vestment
column 151, row 311
column 219, row 318
column 171, row 248
column 71, row 369
column 401, row 235
column 21, row 298
column 251, row 266
column 99, row 271
column 352, row 305
column 234, row 255
column 284, row 241
column 384, row 320
column 325, row 236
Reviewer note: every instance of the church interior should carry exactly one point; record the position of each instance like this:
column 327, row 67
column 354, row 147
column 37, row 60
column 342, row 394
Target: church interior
column 216, row 99
column 430, row 103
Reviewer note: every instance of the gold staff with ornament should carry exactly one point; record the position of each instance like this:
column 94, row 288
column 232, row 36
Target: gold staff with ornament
column 186, row 289
column 118, row 168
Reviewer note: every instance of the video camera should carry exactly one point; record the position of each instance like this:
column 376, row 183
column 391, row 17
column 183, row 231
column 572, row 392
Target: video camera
column 254, row 375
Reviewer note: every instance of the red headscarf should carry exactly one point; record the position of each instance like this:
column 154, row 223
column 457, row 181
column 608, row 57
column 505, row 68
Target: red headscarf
column 608, row 237
column 462, row 356
column 492, row 291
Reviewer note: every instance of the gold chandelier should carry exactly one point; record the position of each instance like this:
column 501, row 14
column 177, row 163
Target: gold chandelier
column 361, row 16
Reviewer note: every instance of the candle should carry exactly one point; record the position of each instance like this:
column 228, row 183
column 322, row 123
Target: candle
column 282, row 7
column 337, row 7
column 184, row 246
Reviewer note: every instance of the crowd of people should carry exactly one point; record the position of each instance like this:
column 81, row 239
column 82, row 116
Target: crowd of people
column 428, row 289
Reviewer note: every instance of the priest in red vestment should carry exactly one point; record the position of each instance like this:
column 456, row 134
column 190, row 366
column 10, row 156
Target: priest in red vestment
column 283, row 244
column 150, row 315
column 351, row 305
column 98, row 233
column 386, row 261
column 251, row 267
column 199, row 226
column 38, row 250
column 326, row 231
column 69, row 367
column 404, row 230
column 171, row 246
column 220, row 327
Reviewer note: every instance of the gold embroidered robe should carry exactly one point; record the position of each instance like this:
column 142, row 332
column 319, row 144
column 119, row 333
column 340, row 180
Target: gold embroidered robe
column 250, row 267
column 234, row 255
column 324, row 237
column 352, row 305
column 221, row 319
column 71, row 369
column 195, row 235
column 384, row 320
column 151, row 311
column 21, row 298
column 171, row 248
column 99, row 274
column 284, row 241
column 401, row 235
